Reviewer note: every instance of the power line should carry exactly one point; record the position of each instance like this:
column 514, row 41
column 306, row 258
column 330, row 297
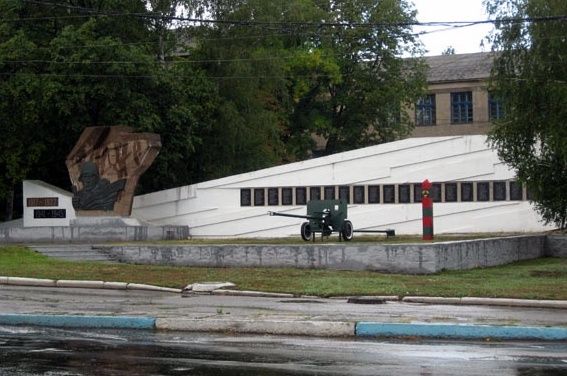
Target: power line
column 281, row 24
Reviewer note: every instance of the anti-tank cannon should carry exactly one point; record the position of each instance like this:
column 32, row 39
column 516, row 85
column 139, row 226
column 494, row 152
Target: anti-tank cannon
column 325, row 217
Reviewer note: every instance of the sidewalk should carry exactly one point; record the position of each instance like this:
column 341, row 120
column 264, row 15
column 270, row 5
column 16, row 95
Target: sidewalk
column 148, row 307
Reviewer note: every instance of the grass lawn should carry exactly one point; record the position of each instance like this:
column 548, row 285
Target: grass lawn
column 544, row 278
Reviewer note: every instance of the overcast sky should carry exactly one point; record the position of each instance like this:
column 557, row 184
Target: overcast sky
column 463, row 40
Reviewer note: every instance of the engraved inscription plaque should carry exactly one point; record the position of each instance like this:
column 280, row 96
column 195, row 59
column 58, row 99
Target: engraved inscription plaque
column 259, row 197
column 49, row 213
column 42, row 201
column 499, row 190
column 404, row 193
column 373, row 194
column 329, row 193
column 273, row 197
column 344, row 193
column 245, row 197
column 300, row 196
column 466, row 191
column 450, row 192
column 315, row 193
column 516, row 193
column 482, row 191
column 287, row 196
column 358, row 192
column 389, row 194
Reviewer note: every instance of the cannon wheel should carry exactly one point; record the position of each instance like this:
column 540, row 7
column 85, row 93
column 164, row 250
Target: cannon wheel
column 306, row 232
column 347, row 230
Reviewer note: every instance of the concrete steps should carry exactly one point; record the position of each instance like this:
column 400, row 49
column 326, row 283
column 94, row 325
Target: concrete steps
column 72, row 252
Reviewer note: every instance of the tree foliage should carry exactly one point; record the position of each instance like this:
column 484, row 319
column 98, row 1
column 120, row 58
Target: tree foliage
column 530, row 77
column 245, row 92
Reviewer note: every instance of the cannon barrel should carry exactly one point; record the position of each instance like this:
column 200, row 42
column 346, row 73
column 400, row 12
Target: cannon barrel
column 271, row 213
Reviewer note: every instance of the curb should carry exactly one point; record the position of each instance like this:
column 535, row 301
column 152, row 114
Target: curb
column 293, row 328
column 273, row 327
column 453, row 331
column 77, row 321
column 561, row 304
column 38, row 282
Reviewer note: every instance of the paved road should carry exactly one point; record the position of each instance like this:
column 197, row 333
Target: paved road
column 44, row 351
column 38, row 300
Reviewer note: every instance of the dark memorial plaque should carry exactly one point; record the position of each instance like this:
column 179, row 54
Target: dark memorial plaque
column 329, row 193
column 358, row 192
column 417, row 192
column 483, row 191
column 436, row 192
column 49, row 213
column 404, row 193
column 516, row 193
column 315, row 193
column 389, row 194
column 300, row 196
column 344, row 193
column 287, row 196
column 42, row 201
column 245, row 197
column 466, row 191
column 373, row 194
column 259, row 197
column 273, row 196
column 450, row 192
column 499, row 190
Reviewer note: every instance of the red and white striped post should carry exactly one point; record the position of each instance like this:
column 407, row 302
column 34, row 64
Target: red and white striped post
column 427, row 210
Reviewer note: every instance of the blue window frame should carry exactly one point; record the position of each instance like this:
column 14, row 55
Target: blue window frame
column 425, row 111
column 495, row 108
column 461, row 107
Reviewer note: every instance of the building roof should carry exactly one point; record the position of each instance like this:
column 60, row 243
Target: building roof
column 461, row 67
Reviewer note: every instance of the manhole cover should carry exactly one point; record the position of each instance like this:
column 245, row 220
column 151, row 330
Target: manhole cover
column 366, row 300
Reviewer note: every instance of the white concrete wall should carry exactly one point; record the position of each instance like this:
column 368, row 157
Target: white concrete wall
column 40, row 191
column 212, row 208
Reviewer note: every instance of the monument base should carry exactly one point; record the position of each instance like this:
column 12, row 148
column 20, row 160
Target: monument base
column 107, row 221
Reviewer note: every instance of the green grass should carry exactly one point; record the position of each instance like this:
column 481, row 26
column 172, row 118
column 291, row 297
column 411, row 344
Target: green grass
column 544, row 278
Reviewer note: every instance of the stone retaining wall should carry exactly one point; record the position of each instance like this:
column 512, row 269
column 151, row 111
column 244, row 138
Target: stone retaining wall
column 556, row 246
column 58, row 234
column 399, row 258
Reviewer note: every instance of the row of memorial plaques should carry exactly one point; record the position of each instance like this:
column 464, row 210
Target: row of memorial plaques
column 385, row 194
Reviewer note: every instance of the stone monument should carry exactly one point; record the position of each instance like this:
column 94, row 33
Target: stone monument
column 105, row 166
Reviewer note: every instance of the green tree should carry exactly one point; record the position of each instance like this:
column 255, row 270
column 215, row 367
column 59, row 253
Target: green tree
column 361, row 83
column 530, row 77
column 78, row 65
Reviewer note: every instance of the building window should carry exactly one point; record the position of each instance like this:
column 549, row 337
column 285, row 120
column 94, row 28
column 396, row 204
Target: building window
column 425, row 111
column 495, row 108
column 461, row 107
